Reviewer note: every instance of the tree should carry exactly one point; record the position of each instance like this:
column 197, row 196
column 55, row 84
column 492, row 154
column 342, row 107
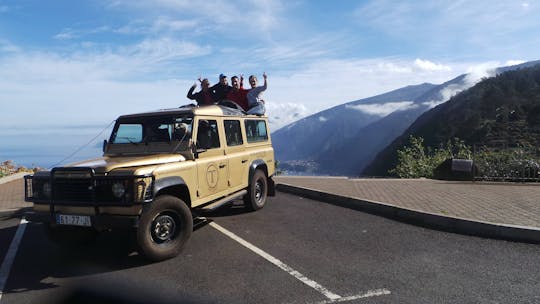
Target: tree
column 415, row 161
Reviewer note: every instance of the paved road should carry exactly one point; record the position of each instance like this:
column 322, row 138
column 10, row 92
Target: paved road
column 339, row 251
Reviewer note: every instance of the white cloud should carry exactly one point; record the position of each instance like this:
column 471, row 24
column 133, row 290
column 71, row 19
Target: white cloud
column 66, row 34
column 217, row 15
column 69, row 33
column 139, row 75
column 514, row 62
column 391, row 67
column 166, row 49
column 430, row 66
column 475, row 73
column 481, row 27
column 448, row 92
column 124, row 63
column 327, row 83
column 383, row 109
column 282, row 114
column 168, row 24
column 90, row 102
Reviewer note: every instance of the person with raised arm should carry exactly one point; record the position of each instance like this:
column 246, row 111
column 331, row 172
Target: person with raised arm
column 205, row 96
column 254, row 96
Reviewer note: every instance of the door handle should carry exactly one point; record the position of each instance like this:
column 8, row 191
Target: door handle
column 222, row 166
column 244, row 161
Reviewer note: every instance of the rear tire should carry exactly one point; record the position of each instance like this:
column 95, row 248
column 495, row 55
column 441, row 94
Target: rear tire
column 255, row 199
column 164, row 228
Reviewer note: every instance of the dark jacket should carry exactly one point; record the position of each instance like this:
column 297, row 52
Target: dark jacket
column 220, row 91
column 202, row 98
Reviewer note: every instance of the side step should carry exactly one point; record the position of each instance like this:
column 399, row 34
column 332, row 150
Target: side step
column 219, row 203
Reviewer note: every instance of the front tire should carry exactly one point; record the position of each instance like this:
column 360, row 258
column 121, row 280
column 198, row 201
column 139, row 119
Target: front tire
column 255, row 199
column 164, row 228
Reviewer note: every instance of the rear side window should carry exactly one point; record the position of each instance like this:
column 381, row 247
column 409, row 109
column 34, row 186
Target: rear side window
column 233, row 133
column 256, row 130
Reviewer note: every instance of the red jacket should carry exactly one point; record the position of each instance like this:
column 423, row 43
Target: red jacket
column 240, row 97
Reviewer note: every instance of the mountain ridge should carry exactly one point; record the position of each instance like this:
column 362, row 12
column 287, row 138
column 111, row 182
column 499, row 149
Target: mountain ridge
column 303, row 140
column 501, row 109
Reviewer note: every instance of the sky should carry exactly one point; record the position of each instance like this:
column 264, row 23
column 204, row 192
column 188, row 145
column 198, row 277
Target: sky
column 80, row 64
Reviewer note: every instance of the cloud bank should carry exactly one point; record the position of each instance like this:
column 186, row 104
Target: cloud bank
column 383, row 109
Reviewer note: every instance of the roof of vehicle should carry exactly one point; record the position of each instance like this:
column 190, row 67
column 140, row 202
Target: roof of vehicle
column 213, row 110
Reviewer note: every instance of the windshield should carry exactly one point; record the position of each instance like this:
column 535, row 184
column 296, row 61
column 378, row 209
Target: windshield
column 167, row 132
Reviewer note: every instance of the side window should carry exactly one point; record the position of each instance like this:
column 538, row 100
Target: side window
column 158, row 132
column 256, row 130
column 207, row 134
column 233, row 133
column 182, row 128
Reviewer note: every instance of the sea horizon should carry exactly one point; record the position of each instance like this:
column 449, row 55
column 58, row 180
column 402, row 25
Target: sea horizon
column 48, row 147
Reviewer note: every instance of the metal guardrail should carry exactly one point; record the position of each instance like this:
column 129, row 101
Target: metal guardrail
column 508, row 163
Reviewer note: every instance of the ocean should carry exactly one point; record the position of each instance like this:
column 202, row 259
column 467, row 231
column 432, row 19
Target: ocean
column 48, row 147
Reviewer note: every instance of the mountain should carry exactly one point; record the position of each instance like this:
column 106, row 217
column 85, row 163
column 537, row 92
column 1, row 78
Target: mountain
column 357, row 152
column 327, row 150
column 504, row 109
column 299, row 145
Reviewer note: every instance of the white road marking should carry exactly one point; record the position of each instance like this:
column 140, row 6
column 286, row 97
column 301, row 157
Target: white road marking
column 368, row 294
column 10, row 256
column 332, row 297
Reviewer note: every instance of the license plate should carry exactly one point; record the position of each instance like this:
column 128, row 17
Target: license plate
column 74, row 220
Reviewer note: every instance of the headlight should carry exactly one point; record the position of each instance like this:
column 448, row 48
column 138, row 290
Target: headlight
column 46, row 188
column 118, row 190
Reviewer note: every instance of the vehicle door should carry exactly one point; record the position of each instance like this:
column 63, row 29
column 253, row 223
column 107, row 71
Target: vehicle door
column 236, row 153
column 212, row 164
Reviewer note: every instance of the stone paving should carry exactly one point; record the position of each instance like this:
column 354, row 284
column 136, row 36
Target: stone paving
column 502, row 203
column 12, row 193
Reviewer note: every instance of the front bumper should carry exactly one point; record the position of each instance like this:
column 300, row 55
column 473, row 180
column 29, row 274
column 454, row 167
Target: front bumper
column 100, row 222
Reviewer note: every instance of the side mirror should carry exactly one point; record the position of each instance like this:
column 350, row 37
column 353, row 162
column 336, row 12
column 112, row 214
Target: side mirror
column 104, row 145
column 196, row 150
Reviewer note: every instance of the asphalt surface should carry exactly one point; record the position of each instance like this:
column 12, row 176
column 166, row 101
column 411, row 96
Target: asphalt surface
column 364, row 257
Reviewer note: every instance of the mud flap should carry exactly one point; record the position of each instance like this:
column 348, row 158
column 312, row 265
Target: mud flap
column 271, row 187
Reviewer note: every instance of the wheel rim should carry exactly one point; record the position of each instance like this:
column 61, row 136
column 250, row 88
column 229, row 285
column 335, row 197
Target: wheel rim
column 259, row 192
column 164, row 228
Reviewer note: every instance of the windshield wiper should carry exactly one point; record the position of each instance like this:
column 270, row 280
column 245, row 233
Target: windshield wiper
column 129, row 139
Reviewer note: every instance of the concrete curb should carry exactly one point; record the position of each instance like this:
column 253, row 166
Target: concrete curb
column 13, row 177
column 14, row 212
column 419, row 218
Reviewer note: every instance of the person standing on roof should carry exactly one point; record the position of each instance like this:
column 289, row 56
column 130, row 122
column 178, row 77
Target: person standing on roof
column 205, row 96
column 238, row 94
column 254, row 96
column 221, row 89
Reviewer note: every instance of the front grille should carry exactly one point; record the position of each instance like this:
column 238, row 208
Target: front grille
column 79, row 186
column 74, row 190
column 72, row 185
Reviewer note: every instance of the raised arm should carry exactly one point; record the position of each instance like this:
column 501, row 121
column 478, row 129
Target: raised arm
column 190, row 92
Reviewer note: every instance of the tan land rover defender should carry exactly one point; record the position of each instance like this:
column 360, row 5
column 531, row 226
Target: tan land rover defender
column 157, row 168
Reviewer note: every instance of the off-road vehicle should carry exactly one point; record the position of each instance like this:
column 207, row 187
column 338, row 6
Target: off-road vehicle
column 157, row 170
